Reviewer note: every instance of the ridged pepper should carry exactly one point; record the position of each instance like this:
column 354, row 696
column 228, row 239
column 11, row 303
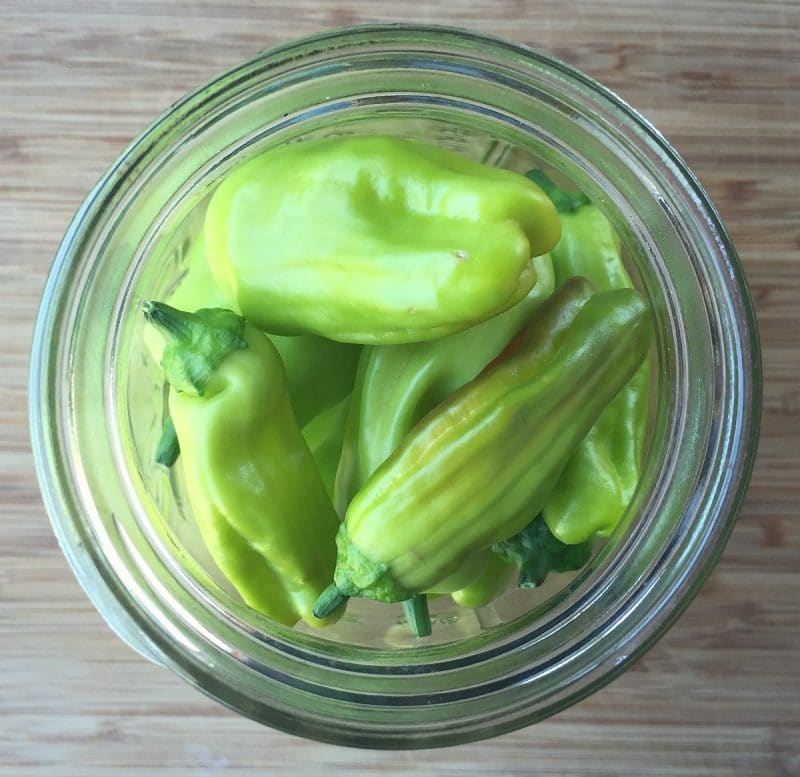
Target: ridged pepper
column 599, row 480
column 254, row 489
column 465, row 574
column 320, row 373
column 477, row 467
column 374, row 239
column 397, row 385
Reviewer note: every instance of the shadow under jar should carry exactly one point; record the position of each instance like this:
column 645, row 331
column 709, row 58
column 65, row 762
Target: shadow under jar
column 97, row 398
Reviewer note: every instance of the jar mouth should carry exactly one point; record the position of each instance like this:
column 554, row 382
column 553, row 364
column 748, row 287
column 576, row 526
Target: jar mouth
column 409, row 79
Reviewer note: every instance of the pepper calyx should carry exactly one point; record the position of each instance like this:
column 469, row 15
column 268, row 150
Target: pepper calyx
column 197, row 342
column 537, row 552
column 358, row 575
column 169, row 447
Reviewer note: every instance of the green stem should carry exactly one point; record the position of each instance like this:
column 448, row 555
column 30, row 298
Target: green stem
column 168, row 446
column 196, row 342
column 418, row 616
column 565, row 200
column 176, row 323
column 330, row 600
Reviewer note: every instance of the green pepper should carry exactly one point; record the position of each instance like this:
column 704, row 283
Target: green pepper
column 397, row 385
column 320, row 373
column 374, row 239
column 477, row 467
column 467, row 573
column 325, row 434
column 255, row 492
column 599, row 480
column 490, row 584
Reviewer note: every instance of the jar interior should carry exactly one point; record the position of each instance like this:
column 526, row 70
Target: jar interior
column 142, row 393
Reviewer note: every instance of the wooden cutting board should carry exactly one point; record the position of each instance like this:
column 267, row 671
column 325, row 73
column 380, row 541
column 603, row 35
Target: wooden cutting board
column 718, row 695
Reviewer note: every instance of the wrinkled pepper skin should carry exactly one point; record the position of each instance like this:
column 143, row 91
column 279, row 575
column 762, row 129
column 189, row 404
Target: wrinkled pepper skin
column 397, row 385
column 599, row 480
column 374, row 239
column 476, row 468
column 255, row 492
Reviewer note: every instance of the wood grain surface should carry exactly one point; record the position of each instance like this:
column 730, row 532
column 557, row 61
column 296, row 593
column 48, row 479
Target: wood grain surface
column 718, row 695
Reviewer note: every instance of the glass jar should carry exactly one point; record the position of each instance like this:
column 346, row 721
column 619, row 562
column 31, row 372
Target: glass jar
column 125, row 528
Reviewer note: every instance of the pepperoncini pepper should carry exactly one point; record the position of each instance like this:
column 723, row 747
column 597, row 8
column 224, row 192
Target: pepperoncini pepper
column 325, row 434
column 397, row 385
column 490, row 584
column 319, row 372
column 255, row 492
column 598, row 482
column 477, row 467
column 374, row 239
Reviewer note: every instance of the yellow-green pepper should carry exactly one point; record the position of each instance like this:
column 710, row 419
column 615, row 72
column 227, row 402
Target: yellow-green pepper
column 477, row 467
column 320, row 373
column 598, row 482
column 396, row 385
column 490, row 584
column 255, row 491
column 374, row 239
column 325, row 434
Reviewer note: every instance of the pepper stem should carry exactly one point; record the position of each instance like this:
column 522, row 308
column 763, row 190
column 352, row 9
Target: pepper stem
column 330, row 600
column 173, row 322
column 565, row 200
column 418, row 616
column 168, row 446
